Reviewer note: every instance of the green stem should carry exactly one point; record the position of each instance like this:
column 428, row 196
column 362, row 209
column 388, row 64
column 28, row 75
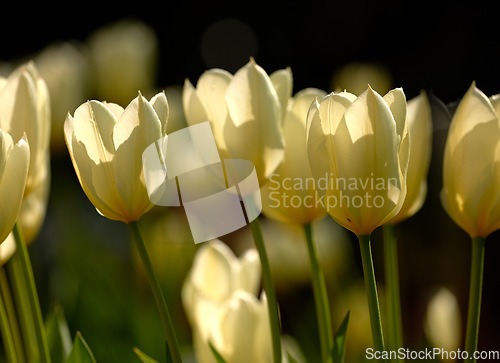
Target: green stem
column 272, row 304
column 158, row 295
column 371, row 292
column 23, row 308
column 36, row 312
column 11, row 314
column 7, row 338
column 393, row 301
column 476, row 284
column 320, row 297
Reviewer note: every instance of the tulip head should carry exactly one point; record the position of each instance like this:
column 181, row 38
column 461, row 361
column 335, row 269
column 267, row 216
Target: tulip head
column 291, row 195
column 358, row 149
column 471, row 167
column 14, row 165
column 222, row 308
column 25, row 110
column 420, row 129
column 245, row 111
column 106, row 143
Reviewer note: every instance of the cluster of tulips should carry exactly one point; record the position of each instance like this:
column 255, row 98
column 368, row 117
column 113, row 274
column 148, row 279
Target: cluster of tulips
column 367, row 154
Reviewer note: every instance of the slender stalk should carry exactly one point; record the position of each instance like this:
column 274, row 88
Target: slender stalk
column 272, row 304
column 475, row 291
column 10, row 310
column 23, row 308
column 394, row 327
column 36, row 312
column 371, row 292
column 320, row 297
column 158, row 295
column 7, row 338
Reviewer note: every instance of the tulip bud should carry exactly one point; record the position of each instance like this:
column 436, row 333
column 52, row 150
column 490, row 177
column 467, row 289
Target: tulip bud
column 106, row 143
column 245, row 111
column 358, row 149
column 419, row 121
column 471, row 167
column 25, row 110
column 14, row 165
column 220, row 302
column 291, row 196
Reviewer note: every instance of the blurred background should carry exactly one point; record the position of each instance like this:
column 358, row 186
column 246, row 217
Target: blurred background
column 85, row 262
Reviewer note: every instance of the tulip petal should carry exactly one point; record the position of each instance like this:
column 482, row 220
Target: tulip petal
column 282, row 81
column 18, row 110
column 255, row 112
column 115, row 109
column 420, row 131
column 211, row 274
column 250, row 271
column 93, row 125
column 136, row 129
column 13, row 181
column 160, row 105
column 96, row 181
column 193, row 108
column 238, row 324
column 369, row 136
column 474, row 128
column 211, row 91
column 317, row 150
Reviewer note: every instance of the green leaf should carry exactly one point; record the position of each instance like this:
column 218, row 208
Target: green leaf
column 338, row 350
column 217, row 356
column 144, row 357
column 80, row 353
column 58, row 335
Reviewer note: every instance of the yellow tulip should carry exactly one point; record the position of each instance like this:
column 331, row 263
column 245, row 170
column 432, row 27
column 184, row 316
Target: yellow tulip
column 419, row 119
column 358, row 149
column 106, row 143
column 245, row 111
column 471, row 169
column 291, row 195
column 25, row 110
column 221, row 305
column 14, row 165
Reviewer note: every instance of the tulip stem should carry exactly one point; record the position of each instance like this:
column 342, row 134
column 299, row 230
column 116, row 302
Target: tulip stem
column 272, row 304
column 320, row 297
column 371, row 292
column 27, row 270
column 23, row 308
column 393, row 300
column 475, row 291
column 161, row 304
column 10, row 310
column 7, row 337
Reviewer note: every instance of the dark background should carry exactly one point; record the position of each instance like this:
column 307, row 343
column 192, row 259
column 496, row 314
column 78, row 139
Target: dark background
column 83, row 262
